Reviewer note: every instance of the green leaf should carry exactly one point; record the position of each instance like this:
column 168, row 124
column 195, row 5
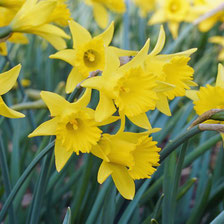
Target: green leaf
column 219, row 219
column 67, row 219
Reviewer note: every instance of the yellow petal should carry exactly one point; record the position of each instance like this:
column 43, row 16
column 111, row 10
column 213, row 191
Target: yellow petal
column 112, row 62
column 110, row 120
column 141, row 120
column 8, row 79
column 160, row 42
column 74, row 78
column 3, row 49
column 163, row 105
column 122, row 53
column 84, row 99
column 53, row 34
column 55, row 103
column 19, row 38
column 157, row 17
column 94, row 83
column 124, row 183
column 107, row 35
column 163, row 86
column 67, row 55
column 80, row 35
column 104, row 172
column 186, row 53
column 8, row 112
column 61, row 155
column 217, row 40
column 138, row 59
column 173, row 27
column 192, row 94
column 220, row 76
column 46, row 128
column 105, row 108
column 97, row 151
column 100, row 15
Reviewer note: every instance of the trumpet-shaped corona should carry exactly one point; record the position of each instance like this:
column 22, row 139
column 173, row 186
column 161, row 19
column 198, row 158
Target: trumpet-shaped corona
column 126, row 156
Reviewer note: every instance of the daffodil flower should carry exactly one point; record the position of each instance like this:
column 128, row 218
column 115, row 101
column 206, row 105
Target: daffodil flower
column 202, row 7
column 209, row 97
column 33, row 17
column 128, row 87
column 100, row 10
column 173, row 12
column 7, row 81
column 73, row 124
column 88, row 53
column 174, row 75
column 126, row 157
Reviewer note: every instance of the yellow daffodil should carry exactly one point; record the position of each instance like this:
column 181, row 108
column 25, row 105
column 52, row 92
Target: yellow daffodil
column 88, row 53
column 126, row 157
column 33, row 17
column 128, row 87
column 73, row 124
column 219, row 40
column 173, row 12
column 202, row 7
column 100, row 10
column 209, row 97
column 145, row 6
column 7, row 81
column 174, row 75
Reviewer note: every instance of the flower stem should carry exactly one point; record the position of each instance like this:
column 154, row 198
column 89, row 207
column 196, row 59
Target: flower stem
column 6, row 179
column 21, row 180
column 178, row 141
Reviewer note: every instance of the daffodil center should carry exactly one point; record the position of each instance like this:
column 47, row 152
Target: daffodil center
column 174, row 7
column 89, row 56
column 72, row 125
column 124, row 89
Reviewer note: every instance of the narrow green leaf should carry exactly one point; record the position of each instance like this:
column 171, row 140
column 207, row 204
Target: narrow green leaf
column 67, row 219
column 219, row 219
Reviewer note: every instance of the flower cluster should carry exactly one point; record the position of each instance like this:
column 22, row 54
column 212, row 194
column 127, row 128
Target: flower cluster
column 127, row 91
column 144, row 83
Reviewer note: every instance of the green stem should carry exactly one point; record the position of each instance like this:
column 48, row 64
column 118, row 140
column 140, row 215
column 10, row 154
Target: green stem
column 21, row 180
column 178, row 141
column 5, row 31
column 6, row 180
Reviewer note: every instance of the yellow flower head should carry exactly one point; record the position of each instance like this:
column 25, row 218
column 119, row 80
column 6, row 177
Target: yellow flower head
column 174, row 75
column 173, row 12
column 72, row 123
column 202, row 7
column 7, row 81
column 209, row 97
column 100, row 10
column 128, row 86
column 33, row 17
column 88, row 53
column 126, row 156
